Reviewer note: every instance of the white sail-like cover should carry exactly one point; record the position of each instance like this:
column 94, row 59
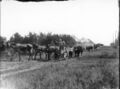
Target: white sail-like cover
column 84, row 42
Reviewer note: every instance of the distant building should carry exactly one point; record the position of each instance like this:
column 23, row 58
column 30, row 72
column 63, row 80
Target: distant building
column 85, row 42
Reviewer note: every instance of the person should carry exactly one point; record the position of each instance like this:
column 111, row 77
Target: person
column 52, row 43
column 62, row 48
column 61, row 44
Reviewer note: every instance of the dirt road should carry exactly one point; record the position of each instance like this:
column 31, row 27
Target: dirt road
column 25, row 67
column 5, row 74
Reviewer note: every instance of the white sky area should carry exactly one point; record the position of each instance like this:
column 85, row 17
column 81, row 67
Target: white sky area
column 97, row 20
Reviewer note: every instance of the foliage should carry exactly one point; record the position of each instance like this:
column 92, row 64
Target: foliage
column 85, row 73
column 17, row 38
column 2, row 39
column 70, row 41
column 30, row 38
column 107, row 52
column 115, row 44
column 108, row 55
column 72, row 74
column 43, row 39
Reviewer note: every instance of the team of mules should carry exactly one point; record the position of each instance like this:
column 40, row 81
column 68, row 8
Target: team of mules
column 33, row 50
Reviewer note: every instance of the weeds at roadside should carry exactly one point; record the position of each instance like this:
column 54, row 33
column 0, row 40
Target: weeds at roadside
column 74, row 75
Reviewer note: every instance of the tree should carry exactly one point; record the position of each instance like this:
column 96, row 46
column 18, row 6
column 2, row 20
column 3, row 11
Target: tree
column 47, row 39
column 17, row 38
column 33, row 38
column 2, row 39
column 69, row 40
column 26, row 39
column 41, row 38
column 116, row 43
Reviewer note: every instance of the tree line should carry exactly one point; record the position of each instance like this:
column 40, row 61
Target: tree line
column 49, row 38
column 116, row 42
column 42, row 39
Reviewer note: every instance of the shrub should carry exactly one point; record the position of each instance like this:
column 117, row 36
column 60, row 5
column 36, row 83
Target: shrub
column 109, row 75
column 73, row 74
column 108, row 55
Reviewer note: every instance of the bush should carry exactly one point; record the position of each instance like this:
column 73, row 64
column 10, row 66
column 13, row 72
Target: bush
column 108, row 55
column 110, row 78
column 72, row 74
column 103, row 54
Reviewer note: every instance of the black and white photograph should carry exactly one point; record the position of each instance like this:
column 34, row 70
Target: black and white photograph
column 59, row 44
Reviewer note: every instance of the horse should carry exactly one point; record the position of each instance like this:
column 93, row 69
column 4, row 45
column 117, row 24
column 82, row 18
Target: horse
column 78, row 50
column 70, row 52
column 39, row 49
column 96, row 46
column 26, row 49
column 48, row 50
column 2, row 46
column 53, row 49
column 89, row 48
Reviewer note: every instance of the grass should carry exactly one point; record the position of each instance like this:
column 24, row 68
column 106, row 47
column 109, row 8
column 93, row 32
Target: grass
column 95, row 70
column 71, row 74
column 103, row 52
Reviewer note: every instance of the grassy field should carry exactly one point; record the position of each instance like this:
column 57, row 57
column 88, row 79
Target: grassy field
column 95, row 70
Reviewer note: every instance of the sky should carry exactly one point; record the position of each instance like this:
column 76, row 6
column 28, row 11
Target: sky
column 97, row 20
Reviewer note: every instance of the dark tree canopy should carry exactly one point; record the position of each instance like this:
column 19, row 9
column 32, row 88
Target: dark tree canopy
column 2, row 39
column 69, row 40
column 116, row 42
column 43, row 39
column 16, row 38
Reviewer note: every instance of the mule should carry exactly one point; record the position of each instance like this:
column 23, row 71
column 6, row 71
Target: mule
column 23, row 49
column 78, row 50
column 89, row 48
column 53, row 49
column 39, row 50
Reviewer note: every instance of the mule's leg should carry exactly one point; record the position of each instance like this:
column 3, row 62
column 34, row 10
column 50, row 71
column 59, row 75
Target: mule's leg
column 11, row 58
column 45, row 55
column 55, row 56
column 81, row 53
column 78, row 54
column 65, row 56
column 35, row 55
column 40, row 55
column 19, row 57
column 11, row 55
column 74, row 54
column 29, row 56
column 48, row 56
column 70, row 54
